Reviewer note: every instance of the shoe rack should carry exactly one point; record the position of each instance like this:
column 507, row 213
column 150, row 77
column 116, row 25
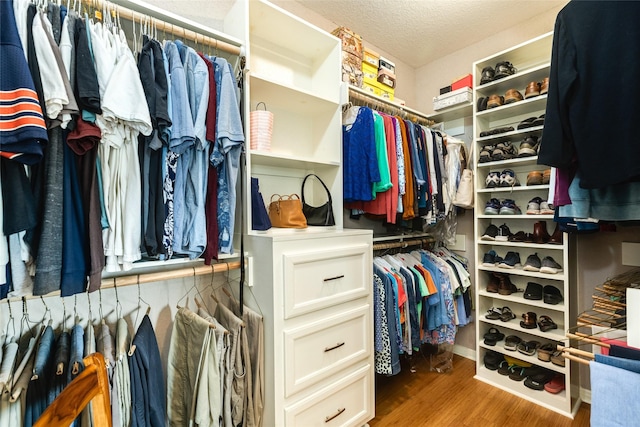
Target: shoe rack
column 532, row 63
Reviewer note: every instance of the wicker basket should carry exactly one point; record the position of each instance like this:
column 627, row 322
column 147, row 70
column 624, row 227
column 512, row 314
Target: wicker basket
column 261, row 128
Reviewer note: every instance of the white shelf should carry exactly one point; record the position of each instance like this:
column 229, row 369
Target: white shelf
column 499, row 348
column 514, row 325
column 523, row 216
column 452, row 113
column 519, row 161
column 516, row 298
column 521, row 272
column 536, row 246
column 269, row 158
column 513, row 136
column 516, row 188
column 518, row 81
column 554, row 402
column 514, row 109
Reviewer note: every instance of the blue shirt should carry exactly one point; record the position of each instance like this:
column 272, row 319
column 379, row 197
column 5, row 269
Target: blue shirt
column 227, row 149
column 359, row 164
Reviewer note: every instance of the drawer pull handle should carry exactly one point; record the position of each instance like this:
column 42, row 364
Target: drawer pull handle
column 340, row 344
column 334, row 278
column 330, row 417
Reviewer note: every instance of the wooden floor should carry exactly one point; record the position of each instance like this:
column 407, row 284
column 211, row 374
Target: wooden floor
column 456, row 399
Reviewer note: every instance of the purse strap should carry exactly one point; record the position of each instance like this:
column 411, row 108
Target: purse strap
column 321, row 182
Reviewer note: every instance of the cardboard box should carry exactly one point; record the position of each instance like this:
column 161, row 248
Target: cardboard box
column 388, row 65
column 369, row 69
column 387, row 80
column 352, row 69
column 452, row 98
column 351, row 42
column 387, row 94
column 371, row 57
column 465, row 81
column 374, row 90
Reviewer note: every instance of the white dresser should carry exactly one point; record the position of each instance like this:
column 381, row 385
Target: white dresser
column 314, row 290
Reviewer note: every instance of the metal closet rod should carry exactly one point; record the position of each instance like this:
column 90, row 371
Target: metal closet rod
column 388, row 106
column 403, row 244
column 167, row 27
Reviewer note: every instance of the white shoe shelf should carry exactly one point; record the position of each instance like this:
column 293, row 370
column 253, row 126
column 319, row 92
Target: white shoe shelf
column 532, row 61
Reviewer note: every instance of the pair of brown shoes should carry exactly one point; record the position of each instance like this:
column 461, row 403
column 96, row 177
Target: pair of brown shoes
column 510, row 96
column 537, row 88
column 541, row 235
column 500, row 283
column 539, row 177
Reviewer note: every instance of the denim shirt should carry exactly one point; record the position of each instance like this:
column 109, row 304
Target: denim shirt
column 191, row 174
column 227, row 150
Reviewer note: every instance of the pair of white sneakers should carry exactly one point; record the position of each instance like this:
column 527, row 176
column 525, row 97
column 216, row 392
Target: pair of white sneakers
column 506, row 178
column 537, row 206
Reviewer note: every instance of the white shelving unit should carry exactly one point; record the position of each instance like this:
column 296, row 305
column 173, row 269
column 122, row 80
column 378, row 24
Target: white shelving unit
column 313, row 285
column 532, row 61
column 294, row 68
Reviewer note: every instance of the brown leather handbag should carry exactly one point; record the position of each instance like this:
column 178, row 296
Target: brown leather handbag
column 286, row 211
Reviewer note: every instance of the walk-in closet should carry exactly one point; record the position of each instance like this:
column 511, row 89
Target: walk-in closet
column 308, row 213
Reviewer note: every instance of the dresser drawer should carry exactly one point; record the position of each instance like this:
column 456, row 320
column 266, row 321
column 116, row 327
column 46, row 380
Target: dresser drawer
column 319, row 349
column 323, row 278
column 347, row 402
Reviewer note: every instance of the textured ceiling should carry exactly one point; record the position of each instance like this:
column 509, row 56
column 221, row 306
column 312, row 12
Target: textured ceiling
column 420, row 31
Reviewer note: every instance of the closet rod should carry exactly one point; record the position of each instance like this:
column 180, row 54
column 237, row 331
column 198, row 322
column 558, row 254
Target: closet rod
column 366, row 99
column 178, row 30
column 134, row 279
column 403, row 244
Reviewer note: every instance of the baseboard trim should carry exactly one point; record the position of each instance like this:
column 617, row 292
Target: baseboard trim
column 585, row 395
column 464, row 351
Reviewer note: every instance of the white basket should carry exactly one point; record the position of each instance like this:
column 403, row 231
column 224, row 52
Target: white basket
column 261, row 128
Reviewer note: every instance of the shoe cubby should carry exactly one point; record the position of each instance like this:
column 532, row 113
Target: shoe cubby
column 504, row 128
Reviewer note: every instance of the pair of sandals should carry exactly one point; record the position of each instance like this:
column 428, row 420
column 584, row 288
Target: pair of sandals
column 544, row 322
column 492, row 336
column 531, row 122
column 503, row 313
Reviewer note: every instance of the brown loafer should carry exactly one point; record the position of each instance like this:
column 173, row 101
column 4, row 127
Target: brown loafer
column 544, row 86
column 512, row 95
column 534, row 178
column 533, row 89
column 546, row 176
column 495, row 101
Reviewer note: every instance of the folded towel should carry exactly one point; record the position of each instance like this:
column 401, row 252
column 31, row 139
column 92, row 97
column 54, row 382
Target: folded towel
column 613, row 396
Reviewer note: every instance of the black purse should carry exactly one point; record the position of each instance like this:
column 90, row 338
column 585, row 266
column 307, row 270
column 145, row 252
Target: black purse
column 321, row 215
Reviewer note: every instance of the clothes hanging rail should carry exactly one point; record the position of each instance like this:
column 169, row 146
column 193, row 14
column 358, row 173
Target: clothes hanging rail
column 135, row 279
column 404, row 244
column 360, row 97
column 167, row 22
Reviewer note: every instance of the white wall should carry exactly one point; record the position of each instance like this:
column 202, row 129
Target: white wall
column 439, row 73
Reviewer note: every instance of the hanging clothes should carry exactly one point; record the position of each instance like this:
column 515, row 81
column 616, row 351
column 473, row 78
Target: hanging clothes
column 418, row 298
column 193, row 377
column 148, row 405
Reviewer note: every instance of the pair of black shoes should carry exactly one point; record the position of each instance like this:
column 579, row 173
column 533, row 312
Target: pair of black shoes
column 502, row 69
